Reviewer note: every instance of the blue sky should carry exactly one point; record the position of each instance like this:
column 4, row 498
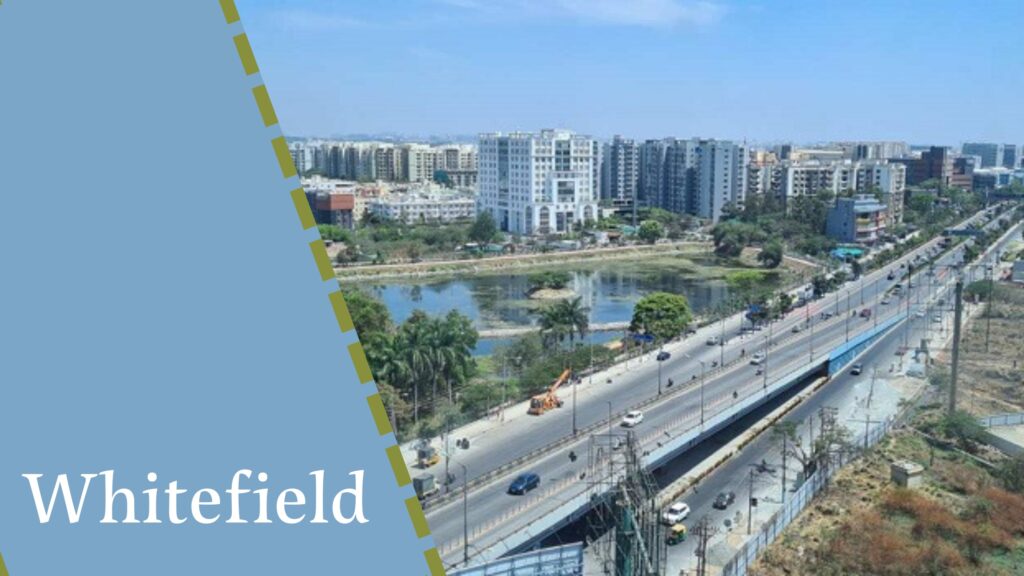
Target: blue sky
column 925, row 71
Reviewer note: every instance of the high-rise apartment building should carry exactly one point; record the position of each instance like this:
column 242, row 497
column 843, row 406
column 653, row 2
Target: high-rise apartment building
column 652, row 175
column 620, row 170
column 695, row 176
column 537, row 183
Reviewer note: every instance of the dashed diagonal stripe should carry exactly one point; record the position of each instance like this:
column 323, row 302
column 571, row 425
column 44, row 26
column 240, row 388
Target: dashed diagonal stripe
column 337, row 300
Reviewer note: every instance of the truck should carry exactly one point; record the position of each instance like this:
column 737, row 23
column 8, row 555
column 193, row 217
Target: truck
column 425, row 486
column 549, row 400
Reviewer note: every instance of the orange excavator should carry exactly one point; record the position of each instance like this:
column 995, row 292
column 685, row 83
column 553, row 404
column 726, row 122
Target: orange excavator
column 549, row 400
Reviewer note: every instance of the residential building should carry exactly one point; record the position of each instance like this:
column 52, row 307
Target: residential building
column 695, row 176
column 790, row 179
column 337, row 208
column 386, row 161
column 620, row 170
column 537, row 183
column 759, row 172
column 651, row 174
column 425, row 203
column 861, row 220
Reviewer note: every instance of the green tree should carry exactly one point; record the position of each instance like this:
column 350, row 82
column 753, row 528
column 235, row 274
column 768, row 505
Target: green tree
column 483, row 229
column 1011, row 473
column 369, row 315
column 661, row 315
column 963, row 428
column 651, row 231
column 551, row 279
column 771, row 254
column 748, row 285
column 564, row 319
column 334, row 233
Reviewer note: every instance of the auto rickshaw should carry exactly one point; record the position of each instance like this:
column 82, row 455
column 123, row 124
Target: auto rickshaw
column 676, row 534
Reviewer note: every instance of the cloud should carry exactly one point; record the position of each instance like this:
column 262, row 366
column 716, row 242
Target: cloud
column 646, row 13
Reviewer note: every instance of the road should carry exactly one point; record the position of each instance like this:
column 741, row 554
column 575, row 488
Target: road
column 846, row 392
column 492, row 514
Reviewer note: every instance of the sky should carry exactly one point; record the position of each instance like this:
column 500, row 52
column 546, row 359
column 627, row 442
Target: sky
column 922, row 71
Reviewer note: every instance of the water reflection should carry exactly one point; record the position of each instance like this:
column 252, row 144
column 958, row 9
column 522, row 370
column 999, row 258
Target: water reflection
column 500, row 301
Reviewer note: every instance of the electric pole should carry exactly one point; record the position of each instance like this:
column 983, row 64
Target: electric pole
column 750, row 501
column 957, row 311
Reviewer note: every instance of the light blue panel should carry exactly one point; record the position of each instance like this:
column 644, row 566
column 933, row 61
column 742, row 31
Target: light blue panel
column 159, row 307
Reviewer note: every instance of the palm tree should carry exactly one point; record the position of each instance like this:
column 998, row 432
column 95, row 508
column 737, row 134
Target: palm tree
column 553, row 327
column 575, row 316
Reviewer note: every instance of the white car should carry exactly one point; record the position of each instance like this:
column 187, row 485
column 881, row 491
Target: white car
column 675, row 513
column 919, row 314
column 757, row 358
column 713, row 341
column 633, row 417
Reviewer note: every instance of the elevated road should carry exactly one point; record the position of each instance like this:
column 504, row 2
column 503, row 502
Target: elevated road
column 498, row 523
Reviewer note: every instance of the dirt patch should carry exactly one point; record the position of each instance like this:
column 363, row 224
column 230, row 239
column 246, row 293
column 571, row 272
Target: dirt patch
column 958, row 522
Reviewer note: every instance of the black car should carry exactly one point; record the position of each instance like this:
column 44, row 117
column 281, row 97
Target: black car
column 724, row 499
column 524, row 483
column 662, row 356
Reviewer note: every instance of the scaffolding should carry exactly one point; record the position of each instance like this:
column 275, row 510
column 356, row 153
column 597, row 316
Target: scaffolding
column 630, row 540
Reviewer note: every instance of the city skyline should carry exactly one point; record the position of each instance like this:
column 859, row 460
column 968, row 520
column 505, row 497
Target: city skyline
column 755, row 73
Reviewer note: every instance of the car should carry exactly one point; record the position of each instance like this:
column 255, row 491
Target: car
column 919, row 314
column 714, row 341
column 757, row 358
column 885, row 301
column 524, row 483
column 675, row 513
column 937, row 319
column 662, row 356
column 856, row 369
column 865, row 313
column 724, row 499
column 632, row 418
column 828, row 315
column 796, row 329
column 891, row 276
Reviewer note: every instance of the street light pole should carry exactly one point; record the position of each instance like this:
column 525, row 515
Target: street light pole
column 767, row 345
column 721, row 345
column 465, row 516
column 701, row 392
column 847, row 315
column 659, row 369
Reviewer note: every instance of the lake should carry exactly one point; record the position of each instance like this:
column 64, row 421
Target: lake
column 499, row 300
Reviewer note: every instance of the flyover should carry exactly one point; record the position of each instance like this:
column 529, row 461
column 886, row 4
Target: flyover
column 497, row 523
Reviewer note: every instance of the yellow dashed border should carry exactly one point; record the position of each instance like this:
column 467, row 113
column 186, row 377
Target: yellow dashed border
column 3, row 567
column 337, row 300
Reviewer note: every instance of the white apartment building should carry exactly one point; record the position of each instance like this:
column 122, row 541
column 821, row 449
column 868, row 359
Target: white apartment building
column 537, row 183
column 791, row 179
column 428, row 203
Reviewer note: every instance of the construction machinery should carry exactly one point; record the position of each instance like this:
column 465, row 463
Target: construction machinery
column 549, row 400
